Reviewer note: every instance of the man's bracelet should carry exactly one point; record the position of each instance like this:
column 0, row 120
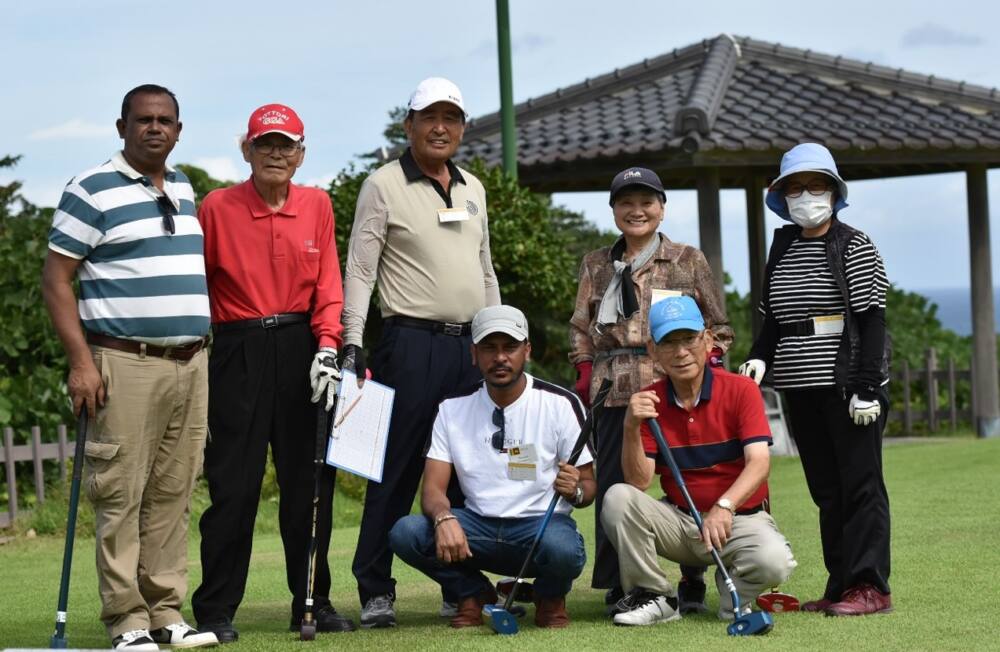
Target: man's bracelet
column 444, row 517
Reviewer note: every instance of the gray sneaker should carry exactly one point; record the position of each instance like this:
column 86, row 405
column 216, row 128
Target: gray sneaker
column 379, row 612
column 448, row 609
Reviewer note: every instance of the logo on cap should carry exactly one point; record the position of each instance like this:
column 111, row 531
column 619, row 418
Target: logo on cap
column 632, row 174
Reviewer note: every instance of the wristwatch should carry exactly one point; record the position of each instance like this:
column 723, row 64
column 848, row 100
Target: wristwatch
column 578, row 496
column 725, row 503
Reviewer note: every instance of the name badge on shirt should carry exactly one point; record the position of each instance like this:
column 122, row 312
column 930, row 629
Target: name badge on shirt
column 452, row 215
column 660, row 295
column 522, row 464
column 828, row 325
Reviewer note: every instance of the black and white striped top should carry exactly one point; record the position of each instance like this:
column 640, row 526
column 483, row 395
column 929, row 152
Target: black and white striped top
column 802, row 287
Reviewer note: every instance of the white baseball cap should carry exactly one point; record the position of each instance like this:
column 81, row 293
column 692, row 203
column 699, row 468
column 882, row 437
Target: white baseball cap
column 436, row 89
column 499, row 319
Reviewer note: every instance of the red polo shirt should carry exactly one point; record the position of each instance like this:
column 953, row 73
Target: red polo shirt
column 707, row 441
column 261, row 262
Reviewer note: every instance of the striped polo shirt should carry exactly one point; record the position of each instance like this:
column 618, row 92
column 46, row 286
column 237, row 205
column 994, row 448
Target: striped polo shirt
column 802, row 287
column 137, row 281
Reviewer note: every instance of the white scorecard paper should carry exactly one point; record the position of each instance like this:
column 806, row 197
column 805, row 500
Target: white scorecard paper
column 360, row 427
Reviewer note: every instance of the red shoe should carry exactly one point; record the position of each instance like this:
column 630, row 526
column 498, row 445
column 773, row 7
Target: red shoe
column 861, row 600
column 551, row 612
column 816, row 605
column 470, row 609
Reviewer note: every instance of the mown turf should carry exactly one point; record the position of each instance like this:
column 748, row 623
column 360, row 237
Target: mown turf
column 945, row 555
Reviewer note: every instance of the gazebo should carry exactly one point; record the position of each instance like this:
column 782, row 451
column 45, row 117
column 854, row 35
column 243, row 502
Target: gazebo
column 719, row 113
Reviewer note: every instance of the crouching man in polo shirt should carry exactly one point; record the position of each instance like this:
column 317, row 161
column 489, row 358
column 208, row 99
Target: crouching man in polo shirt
column 506, row 439
column 715, row 424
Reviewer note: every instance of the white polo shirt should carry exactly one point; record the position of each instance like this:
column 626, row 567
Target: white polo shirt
column 545, row 415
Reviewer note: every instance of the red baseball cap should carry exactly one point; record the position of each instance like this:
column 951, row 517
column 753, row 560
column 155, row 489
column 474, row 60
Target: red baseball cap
column 275, row 118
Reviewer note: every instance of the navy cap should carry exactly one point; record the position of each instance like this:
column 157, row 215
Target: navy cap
column 636, row 177
column 674, row 314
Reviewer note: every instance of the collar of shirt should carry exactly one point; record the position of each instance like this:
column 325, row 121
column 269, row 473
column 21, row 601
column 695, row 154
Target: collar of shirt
column 412, row 171
column 122, row 166
column 259, row 208
column 667, row 250
column 706, row 390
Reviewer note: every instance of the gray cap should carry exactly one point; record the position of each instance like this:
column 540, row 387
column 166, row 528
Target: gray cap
column 499, row 319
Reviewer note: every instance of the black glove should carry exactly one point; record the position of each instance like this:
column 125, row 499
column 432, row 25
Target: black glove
column 354, row 360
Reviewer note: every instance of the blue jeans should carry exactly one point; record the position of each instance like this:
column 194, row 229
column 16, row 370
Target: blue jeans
column 498, row 545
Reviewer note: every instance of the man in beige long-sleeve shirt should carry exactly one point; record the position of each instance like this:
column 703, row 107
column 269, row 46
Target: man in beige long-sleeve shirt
column 421, row 232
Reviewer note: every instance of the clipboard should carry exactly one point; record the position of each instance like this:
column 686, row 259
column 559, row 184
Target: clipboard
column 359, row 428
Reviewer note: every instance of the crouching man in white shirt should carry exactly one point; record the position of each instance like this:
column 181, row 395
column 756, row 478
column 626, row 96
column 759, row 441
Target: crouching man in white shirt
column 507, row 440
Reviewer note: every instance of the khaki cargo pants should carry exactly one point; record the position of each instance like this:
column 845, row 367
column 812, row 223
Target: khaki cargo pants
column 642, row 529
column 143, row 456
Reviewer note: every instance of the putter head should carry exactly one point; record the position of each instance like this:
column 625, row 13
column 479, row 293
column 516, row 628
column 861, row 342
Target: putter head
column 307, row 630
column 525, row 590
column 775, row 601
column 57, row 643
column 755, row 623
column 501, row 620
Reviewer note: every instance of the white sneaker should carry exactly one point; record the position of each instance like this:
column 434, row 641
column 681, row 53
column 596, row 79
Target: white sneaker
column 448, row 609
column 182, row 635
column 137, row 640
column 648, row 609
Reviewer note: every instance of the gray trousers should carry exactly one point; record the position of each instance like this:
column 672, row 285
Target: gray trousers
column 642, row 529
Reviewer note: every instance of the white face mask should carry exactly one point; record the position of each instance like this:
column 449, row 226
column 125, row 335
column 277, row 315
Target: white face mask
column 810, row 211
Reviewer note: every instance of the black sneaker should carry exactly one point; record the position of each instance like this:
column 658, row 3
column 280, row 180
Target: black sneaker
column 379, row 612
column 137, row 640
column 327, row 620
column 223, row 630
column 691, row 596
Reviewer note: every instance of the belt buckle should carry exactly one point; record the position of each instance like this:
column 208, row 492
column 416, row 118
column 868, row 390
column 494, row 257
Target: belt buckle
column 269, row 322
column 455, row 330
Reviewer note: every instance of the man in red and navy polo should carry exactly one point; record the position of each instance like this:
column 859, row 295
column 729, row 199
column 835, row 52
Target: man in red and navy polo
column 275, row 292
column 714, row 422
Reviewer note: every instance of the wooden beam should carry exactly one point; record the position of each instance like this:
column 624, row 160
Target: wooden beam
column 757, row 247
column 709, row 226
column 984, row 348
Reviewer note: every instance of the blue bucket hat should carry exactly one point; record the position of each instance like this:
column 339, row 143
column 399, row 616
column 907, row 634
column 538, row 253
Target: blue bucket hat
column 674, row 314
column 805, row 157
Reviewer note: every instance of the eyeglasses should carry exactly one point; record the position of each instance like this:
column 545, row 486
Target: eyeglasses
column 168, row 211
column 816, row 187
column 675, row 345
column 267, row 149
column 499, row 435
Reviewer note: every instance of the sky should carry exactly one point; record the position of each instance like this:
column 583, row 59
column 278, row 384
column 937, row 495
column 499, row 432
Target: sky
column 343, row 65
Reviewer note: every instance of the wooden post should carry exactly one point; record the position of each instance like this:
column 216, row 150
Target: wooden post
column 8, row 449
column 709, row 229
column 952, row 406
column 986, row 418
column 757, row 244
column 36, row 461
column 932, row 402
column 907, row 408
column 63, row 446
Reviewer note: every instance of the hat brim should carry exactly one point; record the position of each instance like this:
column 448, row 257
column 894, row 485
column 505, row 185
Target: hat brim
column 637, row 184
column 287, row 134
column 679, row 325
column 490, row 328
column 423, row 105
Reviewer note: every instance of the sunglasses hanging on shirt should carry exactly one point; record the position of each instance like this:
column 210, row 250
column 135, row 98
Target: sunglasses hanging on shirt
column 168, row 211
column 498, row 437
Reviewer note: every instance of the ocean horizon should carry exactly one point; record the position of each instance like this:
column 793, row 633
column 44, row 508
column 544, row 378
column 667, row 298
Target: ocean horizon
column 955, row 307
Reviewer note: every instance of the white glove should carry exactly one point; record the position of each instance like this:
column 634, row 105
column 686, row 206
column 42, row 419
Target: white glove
column 325, row 375
column 753, row 369
column 864, row 413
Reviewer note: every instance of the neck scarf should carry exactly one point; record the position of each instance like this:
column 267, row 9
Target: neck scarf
column 619, row 299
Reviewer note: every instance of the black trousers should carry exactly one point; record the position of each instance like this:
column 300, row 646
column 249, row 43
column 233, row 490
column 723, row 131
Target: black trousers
column 259, row 396
column 843, row 467
column 423, row 367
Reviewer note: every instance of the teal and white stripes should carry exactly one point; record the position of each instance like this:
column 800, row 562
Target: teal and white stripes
column 136, row 280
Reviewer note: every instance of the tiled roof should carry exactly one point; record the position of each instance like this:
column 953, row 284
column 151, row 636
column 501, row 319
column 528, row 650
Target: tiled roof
column 736, row 104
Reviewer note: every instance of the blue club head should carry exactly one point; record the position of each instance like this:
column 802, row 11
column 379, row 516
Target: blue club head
column 756, row 623
column 57, row 642
column 501, row 620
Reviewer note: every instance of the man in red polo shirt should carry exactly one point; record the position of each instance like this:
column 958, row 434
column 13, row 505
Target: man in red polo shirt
column 715, row 424
column 276, row 297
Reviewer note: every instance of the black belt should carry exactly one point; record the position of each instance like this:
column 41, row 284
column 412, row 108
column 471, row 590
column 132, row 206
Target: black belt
column 455, row 329
column 740, row 512
column 792, row 328
column 271, row 321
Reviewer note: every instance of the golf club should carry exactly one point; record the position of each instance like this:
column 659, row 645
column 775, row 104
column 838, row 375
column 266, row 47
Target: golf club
column 758, row 622
column 58, row 640
column 307, row 629
column 501, row 619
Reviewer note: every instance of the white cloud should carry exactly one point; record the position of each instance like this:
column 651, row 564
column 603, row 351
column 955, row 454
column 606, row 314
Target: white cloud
column 931, row 34
column 222, row 168
column 75, row 129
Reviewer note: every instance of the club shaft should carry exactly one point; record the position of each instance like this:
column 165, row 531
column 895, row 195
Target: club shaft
column 74, row 503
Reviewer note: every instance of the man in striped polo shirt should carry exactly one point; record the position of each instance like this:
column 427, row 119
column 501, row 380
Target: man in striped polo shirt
column 127, row 229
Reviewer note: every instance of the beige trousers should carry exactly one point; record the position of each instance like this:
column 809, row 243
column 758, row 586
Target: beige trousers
column 642, row 529
column 143, row 456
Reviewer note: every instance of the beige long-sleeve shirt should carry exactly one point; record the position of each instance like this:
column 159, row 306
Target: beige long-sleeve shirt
column 674, row 266
column 426, row 264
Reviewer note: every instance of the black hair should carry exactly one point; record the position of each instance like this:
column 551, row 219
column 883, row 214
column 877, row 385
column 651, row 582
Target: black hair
column 151, row 89
column 411, row 113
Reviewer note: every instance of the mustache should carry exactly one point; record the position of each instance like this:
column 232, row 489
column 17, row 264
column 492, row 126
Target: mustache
column 499, row 367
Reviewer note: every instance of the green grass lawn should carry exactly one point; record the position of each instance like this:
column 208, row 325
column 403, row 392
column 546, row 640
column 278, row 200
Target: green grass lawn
column 945, row 555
